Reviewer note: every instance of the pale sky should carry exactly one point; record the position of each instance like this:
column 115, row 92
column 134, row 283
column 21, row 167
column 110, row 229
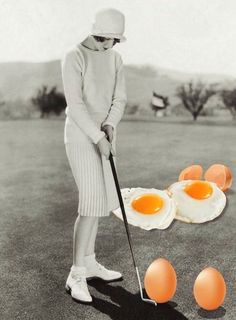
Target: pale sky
column 184, row 35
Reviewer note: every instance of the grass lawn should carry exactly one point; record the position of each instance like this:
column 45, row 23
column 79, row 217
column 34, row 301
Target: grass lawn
column 38, row 209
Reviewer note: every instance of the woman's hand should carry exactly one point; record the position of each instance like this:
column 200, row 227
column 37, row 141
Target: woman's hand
column 104, row 147
column 108, row 131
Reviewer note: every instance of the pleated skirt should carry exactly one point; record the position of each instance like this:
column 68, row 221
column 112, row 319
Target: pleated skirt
column 86, row 165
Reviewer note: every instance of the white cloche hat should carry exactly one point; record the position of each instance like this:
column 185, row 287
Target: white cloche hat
column 109, row 23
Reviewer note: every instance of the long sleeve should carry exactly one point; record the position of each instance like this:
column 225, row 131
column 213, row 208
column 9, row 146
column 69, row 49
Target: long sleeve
column 119, row 99
column 76, row 108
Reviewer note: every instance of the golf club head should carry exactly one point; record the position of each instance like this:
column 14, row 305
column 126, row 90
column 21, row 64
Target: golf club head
column 149, row 301
column 141, row 290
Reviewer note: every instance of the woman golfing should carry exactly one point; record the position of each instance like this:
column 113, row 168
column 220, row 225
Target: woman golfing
column 94, row 86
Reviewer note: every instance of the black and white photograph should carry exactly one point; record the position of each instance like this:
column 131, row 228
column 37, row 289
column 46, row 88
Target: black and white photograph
column 118, row 158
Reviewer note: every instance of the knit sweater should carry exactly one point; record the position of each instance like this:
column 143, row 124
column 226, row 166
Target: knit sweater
column 94, row 87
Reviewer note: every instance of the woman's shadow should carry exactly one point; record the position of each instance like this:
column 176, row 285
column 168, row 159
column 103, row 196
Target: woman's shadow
column 125, row 305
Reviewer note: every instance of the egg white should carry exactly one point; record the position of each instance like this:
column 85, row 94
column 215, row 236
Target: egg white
column 161, row 220
column 192, row 210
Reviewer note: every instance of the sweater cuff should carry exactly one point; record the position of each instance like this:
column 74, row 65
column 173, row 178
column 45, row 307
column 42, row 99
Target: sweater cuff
column 108, row 123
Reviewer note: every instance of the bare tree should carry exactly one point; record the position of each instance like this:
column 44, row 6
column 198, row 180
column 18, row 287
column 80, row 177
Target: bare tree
column 229, row 99
column 194, row 96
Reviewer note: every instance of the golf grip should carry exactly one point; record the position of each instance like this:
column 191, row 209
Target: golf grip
column 121, row 205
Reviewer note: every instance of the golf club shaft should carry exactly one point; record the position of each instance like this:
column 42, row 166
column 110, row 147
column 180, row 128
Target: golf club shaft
column 122, row 206
column 127, row 228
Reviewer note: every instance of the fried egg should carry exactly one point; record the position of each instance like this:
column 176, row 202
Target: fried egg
column 197, row 201
column 147, row 208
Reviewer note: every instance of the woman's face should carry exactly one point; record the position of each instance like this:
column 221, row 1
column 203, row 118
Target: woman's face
column 108, row 43
column 105, row 44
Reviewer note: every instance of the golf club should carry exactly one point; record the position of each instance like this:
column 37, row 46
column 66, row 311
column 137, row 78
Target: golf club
column 127, row 228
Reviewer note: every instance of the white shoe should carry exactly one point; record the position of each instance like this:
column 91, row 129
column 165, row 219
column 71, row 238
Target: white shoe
column 76, row 285
column 96, row 270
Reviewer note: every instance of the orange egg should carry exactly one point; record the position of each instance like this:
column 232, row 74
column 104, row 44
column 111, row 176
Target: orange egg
column 193, row 172
column 160, row 280
column 209, row 289
column 221, row 175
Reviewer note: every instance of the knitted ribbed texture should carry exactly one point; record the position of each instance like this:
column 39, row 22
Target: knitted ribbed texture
column 95, row 92
column 86, row 166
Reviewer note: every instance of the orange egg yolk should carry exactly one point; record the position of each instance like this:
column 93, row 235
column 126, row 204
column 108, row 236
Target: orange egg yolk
column 199, row 190
column 148, row 203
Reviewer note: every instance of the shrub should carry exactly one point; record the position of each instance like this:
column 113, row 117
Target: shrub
column 49, row 101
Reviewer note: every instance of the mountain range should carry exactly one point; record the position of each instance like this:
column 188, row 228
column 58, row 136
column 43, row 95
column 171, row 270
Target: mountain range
column 21, row 80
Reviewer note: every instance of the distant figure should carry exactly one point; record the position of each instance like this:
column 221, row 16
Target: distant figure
column 159, row 104
column 94, row 87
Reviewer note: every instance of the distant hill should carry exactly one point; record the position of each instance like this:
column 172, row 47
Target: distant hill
column 22, row 80
column 184, row 76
